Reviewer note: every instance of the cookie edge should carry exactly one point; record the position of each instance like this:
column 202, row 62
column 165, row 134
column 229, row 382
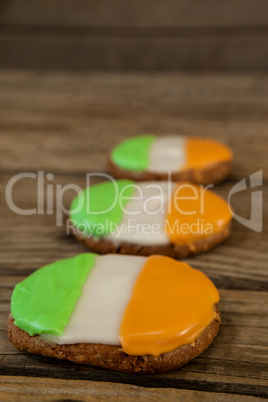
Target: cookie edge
column 211, row 174
column 111, row 356
column 104, row 246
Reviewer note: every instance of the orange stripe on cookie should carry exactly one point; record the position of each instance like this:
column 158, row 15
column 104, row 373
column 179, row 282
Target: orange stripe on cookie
column 203, row 152
column 171, row 305
column 195, row 213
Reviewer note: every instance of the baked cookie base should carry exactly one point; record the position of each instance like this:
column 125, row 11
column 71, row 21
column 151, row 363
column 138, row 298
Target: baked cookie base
column 214, row 173
column 103, row 246
column 110, row 356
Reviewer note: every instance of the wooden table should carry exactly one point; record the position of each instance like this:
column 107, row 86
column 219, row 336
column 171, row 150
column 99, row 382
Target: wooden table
column 65, row 124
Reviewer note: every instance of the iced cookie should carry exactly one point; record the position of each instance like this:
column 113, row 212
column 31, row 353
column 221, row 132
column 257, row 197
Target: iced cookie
column 124, row 313
column 148, row 157
column 168, row 218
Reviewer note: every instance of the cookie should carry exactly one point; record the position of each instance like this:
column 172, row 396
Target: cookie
column 125, row 313
column 168, row 218
column 148, row 157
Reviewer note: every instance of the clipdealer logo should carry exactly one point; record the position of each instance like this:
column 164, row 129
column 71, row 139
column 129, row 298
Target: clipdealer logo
column 50, row 196
column 255, row 222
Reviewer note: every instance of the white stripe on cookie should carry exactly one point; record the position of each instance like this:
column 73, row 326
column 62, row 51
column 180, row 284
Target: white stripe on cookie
column 98, row 313
column 167, row 154
column 144, row 221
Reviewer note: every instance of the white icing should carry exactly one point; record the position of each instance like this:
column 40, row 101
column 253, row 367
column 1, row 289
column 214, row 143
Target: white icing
column 98, row 313
column 167, row 154
column 144, row 216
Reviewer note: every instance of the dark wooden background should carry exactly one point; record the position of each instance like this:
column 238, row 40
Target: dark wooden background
column 196, row 67
column 120, row 35
column 65, row 124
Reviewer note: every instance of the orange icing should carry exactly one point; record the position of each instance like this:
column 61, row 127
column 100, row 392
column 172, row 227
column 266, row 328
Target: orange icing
column 202, row 152
column 170, row 306
column 195, row 213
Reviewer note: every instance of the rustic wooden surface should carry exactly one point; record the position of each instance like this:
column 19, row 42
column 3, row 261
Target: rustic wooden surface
column 65, row 124
column 139, row 35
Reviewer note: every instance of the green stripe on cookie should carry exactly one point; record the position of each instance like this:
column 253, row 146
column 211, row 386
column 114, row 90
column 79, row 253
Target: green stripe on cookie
column 133, row 153
column 44, row 302
column 98, row 209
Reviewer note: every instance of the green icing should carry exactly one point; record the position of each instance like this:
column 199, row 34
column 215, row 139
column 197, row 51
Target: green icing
column 44, row 302
column 98, row 209
column 133, row 153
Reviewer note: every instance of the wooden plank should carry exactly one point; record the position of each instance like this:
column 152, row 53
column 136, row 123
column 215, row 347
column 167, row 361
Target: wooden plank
column 66, row 124
column 223, row 96
column 214, row 53
column 66, row 139
column 17, row 387
column 21, row 254
column 63, row 114
column 242, row 379
column 138, row 14
column 4, row 312
column 136, row 36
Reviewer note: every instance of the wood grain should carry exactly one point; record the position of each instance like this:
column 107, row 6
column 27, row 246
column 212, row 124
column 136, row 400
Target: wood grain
column 152, row 13
column 15, row 387
column 134, row 36
column 175, row 51
column 89, row 113
column 65, row 124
